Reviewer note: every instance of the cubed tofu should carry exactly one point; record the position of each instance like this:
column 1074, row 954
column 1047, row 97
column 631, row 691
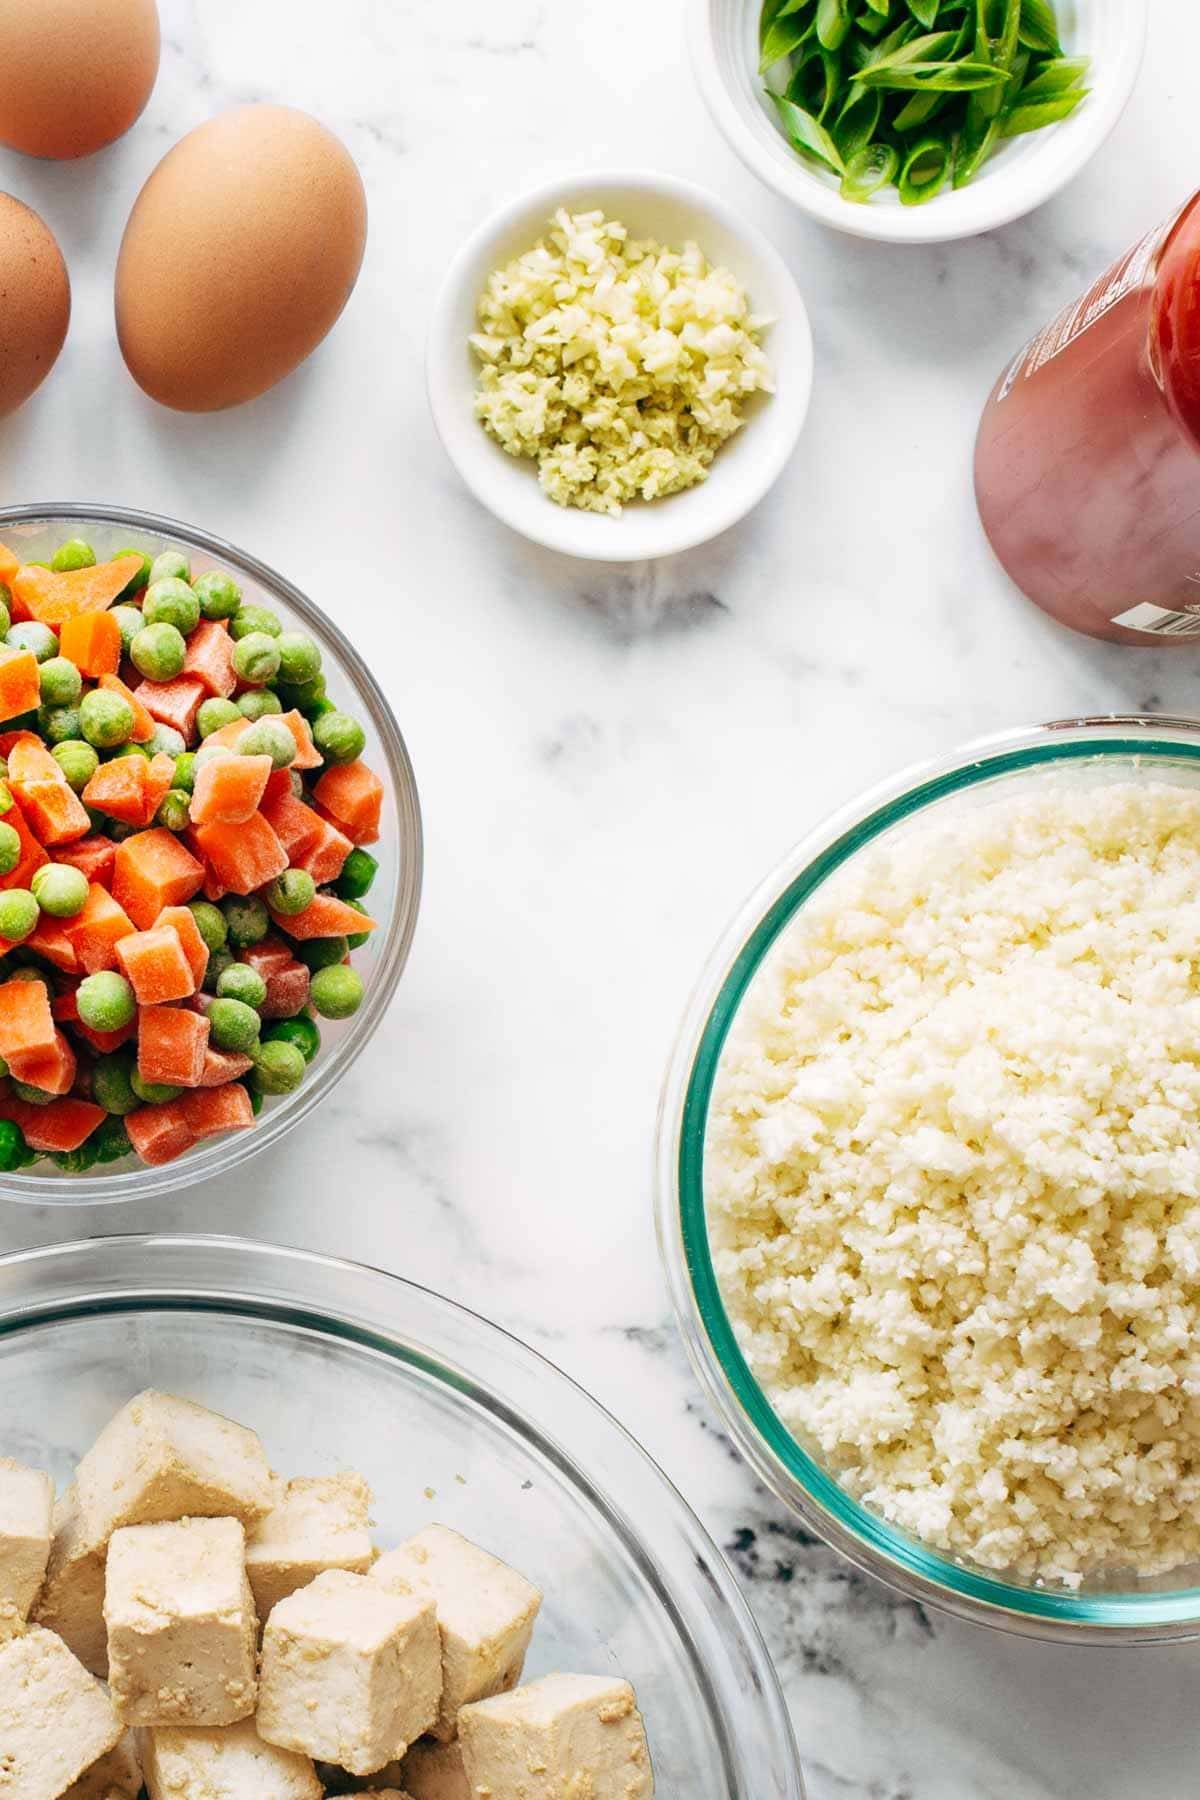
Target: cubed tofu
column 182, row 1629
column 322, row 1522
column 433, row 1771
column 55, row 1719
column 163, row 1459
column 565, row 1734
column 71, row 1602
column 351, row 1673
column 340, row 1781
column 117, row 1775
column 486, row 1614
column 26, row 1533
column 231, row 1763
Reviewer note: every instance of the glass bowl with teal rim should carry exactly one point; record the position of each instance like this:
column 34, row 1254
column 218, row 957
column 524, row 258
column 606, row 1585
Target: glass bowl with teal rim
column 1104, row 1610
column 450, row 1420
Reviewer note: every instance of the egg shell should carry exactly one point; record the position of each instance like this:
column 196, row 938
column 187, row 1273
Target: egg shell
column 240, row 253
column 35, row 302
column 76, row 73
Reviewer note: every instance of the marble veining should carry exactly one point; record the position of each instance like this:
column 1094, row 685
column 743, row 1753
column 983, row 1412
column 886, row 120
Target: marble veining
column 610, row 758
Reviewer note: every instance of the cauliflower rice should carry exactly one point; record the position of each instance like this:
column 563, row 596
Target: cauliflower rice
column 616, row 365
column 953, row 1180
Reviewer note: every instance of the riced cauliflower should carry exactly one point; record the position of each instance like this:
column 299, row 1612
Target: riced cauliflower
column 618, row 366
column 953, row 1180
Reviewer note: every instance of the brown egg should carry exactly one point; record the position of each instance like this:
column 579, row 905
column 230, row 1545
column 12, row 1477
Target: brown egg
column 76, row 73
column 242, row 249
column 35, row 302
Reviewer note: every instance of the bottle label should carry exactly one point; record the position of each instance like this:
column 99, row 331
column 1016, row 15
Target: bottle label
column 1126, row 275
column 1161, row 620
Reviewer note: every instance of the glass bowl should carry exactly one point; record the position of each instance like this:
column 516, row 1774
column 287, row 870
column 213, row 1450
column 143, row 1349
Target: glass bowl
column 34, row 531
column 450, row 1420
column 1101, row 1611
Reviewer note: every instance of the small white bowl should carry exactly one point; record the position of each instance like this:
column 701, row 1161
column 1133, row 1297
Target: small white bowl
column 1021, row 174
column 671, row 211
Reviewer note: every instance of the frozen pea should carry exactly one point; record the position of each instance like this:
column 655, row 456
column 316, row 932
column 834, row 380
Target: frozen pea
column 158, row 652
column 30, row 635
column 218, row 593
column 240, row 982
column 18, row 914
column 358, row 872
column 111, row 1086
column 165, row 741
column 299, row 656
column 269, row 737
column 246, row 920
column 173, row 812
column 218, row 962
column 301, row 1031
column 111, row 1138
column 32, row 1096
column 138, row 580
column 13, row 1148
column 233, row 1026
column 58, row 724
column 154, row 1093
column 10, row 849
column 184, row 777
column 278, row 1067
column 208, row 753
column 213, row 714
column 131, row 750
column 291, row 892
column 170, row 565
column 323, row 953
column 130, row 621
column 257, row 703
column 60, row 682
column 337, row 992
column 74, row 554
column 316, row 709
column 105, row 1001
column 5, row 614
column 78, row 762
column 301, row 694
column 256, row 658
column 338, row 737
column 60, row 890
column 171, row 602
column 210, row 923
column 105, row 718
column 254, row 618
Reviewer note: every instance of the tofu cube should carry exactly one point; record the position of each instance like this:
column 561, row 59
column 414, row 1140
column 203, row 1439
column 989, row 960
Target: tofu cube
column 71, row 1602
column 117, row 1775
column 230, row 1763
column 350, row 1673
column 182, row 1629
column 486, row 1614
column 163, row 1459
column 26, row 1533
column 565, row 1734
column 433, row 1771
column 322, row 1522
column 55, row 1719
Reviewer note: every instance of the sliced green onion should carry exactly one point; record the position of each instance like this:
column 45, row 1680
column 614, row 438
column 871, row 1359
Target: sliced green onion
column 857, row 122
column 1053, row 78
column 868, row 170
column 808, row 134
column 1039, row 27
column 833, row 23
column 943, row 77
column 1041, row 113
column 924, row 171
column 925, row 12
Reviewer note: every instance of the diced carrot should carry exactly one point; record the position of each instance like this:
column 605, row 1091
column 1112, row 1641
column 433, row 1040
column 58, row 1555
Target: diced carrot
column 209, row 658
column 221, row 1066
column 287, row 991
column 268, row 956
column 143, row 723
column 280, row 782
column 352, row 796
column 307, row 754
column 230, row 734
column 172, row 1041
column 296, row 826
column 160, row 1133
column 62, row 1125
column 52, row 1070
column 194, row 946
column 152, row 870
column 159, row 774
column 10, row 562
column 53, row 811
column 95, row 855
column 92, row 641
column 32, row 854
column 243, row 857
column 118, row 788
column 8, row 739
column 26, row 1022
column 211, row 1110
column 324, row 916
column 155, row 966
column 19, row 683
column 98, row 929
column 29, row 760
column 52, row 940
column 227, row 790
column 174, row 703
column 325, row 858
column 52, row 598
column 65, row 1008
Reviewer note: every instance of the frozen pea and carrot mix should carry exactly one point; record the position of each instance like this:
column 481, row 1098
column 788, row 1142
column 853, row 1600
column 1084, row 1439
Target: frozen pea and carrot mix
column 184, row 822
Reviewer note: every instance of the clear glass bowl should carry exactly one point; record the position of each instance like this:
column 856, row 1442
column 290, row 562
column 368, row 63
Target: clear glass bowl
column 33, row 532
column 450, row 1420
column 1102, row 1611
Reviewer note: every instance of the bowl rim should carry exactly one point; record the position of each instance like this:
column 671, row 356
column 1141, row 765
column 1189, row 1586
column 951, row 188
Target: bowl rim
column 229, row 1153
column 776, row 1456
column 363, row 1305
column 586, row 536
column 1004, row 202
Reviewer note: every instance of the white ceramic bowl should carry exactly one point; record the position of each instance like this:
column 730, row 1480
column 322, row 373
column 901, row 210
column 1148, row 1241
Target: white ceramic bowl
column 656, row 206
column 1017, row 177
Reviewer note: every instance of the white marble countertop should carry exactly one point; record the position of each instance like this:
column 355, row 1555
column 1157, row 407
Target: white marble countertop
column 609, row 758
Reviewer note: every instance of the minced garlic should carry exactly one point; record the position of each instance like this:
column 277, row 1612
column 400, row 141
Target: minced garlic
column 618, row 366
